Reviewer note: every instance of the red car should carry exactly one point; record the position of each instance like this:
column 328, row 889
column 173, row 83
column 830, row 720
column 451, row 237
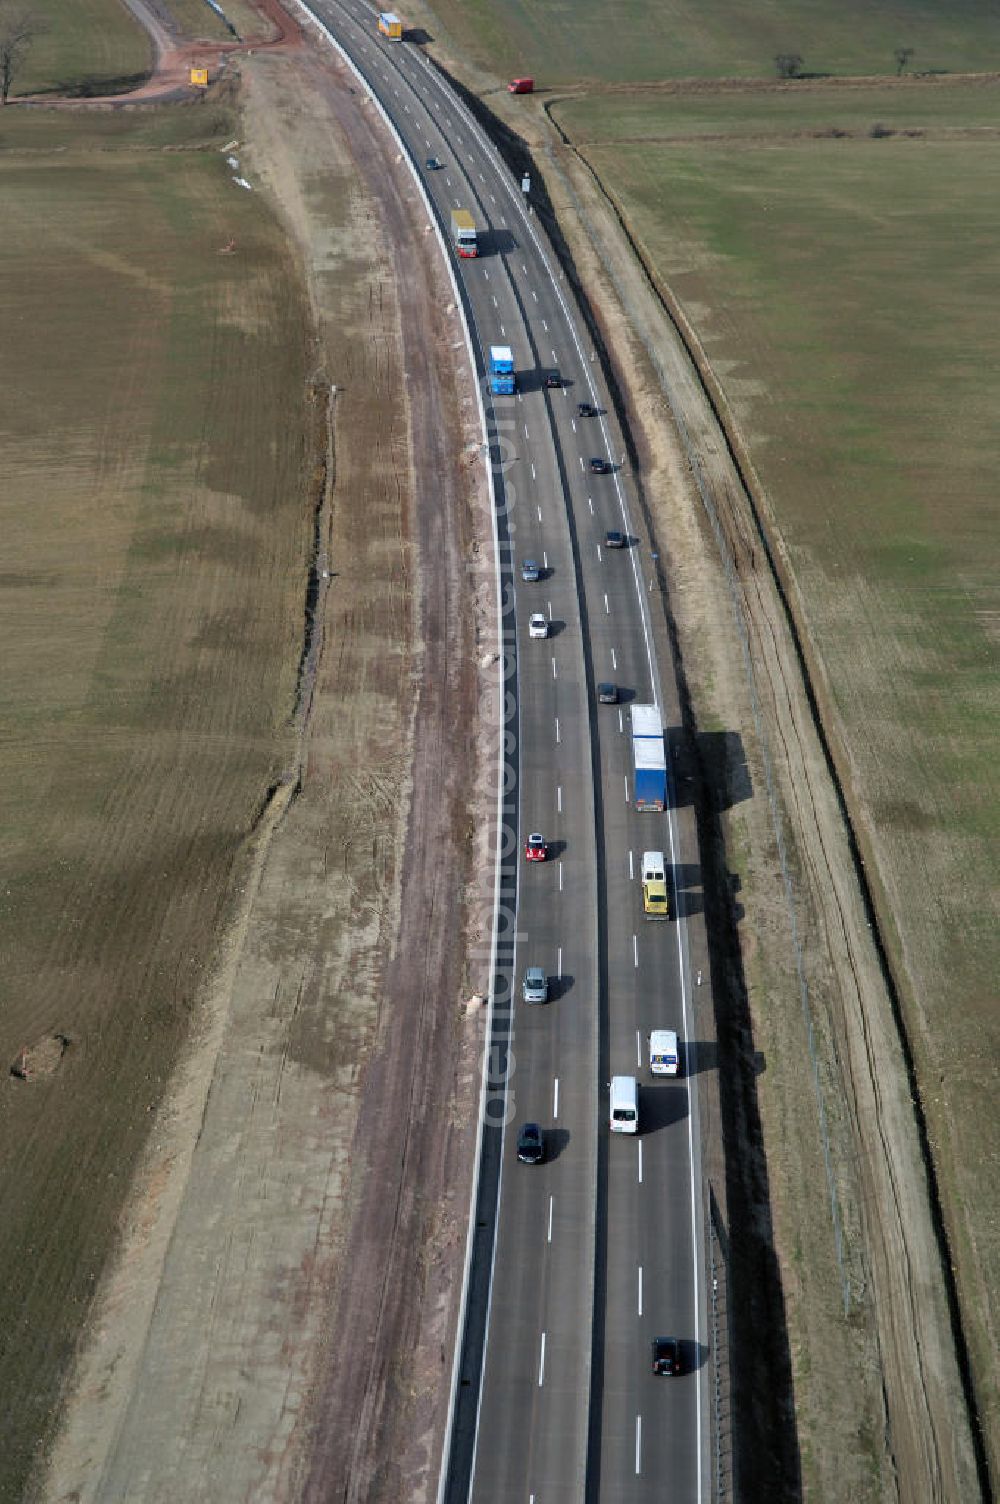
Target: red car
column 535, row 848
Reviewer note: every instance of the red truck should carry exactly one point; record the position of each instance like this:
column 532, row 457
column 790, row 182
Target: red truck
column 521, row 86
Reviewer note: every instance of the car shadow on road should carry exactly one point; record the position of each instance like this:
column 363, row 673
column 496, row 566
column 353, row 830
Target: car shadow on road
column 559, row 986
column 661, row 1107
column 556, row 628
column 694, row 1355
column 556, row 1141
column 555, row 850
column 686, row 896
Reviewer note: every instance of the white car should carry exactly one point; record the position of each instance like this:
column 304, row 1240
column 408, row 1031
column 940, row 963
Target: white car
column 537, row 625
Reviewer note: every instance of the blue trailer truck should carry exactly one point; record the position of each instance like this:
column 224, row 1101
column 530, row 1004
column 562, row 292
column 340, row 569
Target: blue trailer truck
column 502, row 370
column 649, row 758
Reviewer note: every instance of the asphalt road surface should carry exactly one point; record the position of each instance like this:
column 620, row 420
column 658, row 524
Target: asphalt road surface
column 600, row 1249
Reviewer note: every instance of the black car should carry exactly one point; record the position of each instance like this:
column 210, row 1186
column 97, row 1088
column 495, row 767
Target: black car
column 607, row 694
column 433, row 164
column 614, row 539
column 530, row 1144
column 553, row 379
column 585, row 410
column 666, row 1355
column 599, row 466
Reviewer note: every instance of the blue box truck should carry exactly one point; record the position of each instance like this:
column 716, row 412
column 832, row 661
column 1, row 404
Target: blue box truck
column 502, row 370
column 649, row 758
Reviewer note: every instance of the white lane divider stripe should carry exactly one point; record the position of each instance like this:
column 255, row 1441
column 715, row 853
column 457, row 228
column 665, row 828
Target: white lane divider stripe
column 549, row 1239
column 640, row 1161
column 555, row 1099
column 541, row 1367
column 557, row 731
column 638, row 1444
column 635, row 949
column 631, row 866
column 638, row 1049
column 640, row 1289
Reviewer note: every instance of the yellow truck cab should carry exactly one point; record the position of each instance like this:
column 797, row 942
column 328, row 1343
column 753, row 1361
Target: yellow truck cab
column 390, row 26
column 654, row 886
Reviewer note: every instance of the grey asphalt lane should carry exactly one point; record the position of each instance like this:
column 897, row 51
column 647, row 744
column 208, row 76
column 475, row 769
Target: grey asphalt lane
column 564, row 1405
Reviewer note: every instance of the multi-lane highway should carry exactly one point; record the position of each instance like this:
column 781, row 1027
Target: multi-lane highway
column 599, row 1249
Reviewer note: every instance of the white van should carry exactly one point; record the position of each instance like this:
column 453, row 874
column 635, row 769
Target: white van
column 624, row 1104
column 663, row 1057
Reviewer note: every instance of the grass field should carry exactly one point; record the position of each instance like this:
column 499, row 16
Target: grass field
column 84, row 47
column 842, row 290
column 628, row 41
column 157, row 515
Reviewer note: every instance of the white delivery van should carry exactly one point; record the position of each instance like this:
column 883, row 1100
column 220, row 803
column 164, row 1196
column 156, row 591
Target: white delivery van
column 624, row 1104
column 663, row 1057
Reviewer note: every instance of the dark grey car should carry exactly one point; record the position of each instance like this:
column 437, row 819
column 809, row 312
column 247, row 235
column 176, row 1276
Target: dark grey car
column 530, row 1144
column 607, row 694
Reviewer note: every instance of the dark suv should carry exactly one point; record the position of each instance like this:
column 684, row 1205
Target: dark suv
column 530, row 1144
column 666, row 1355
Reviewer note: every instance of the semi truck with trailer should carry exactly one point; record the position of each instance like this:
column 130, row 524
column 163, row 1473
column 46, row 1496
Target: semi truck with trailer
column 649, row 758
column 463, row 233
column 502, row 381
column 390, row 26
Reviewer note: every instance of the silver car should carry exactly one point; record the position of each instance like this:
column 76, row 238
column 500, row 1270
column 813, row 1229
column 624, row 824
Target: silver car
column 535, row 985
